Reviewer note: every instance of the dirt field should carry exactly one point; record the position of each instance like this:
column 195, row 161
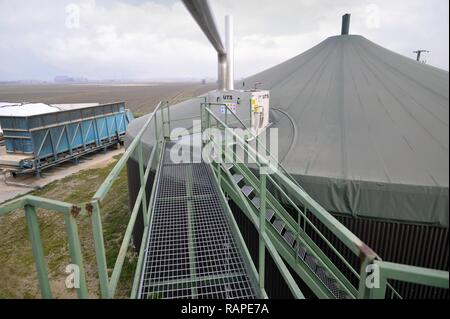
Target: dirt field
column 140, row 98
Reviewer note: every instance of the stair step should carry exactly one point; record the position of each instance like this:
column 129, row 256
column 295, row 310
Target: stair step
column 290, row 238
column 247, row 190
column 338, row 293
column 257, row 202
column 302, row 252
column 279, row 225
column 329, row 282
column 228, row 166
column 311, row 262
column 237, row 178
column 343, row 295
column 324, row 277
column 269, row 215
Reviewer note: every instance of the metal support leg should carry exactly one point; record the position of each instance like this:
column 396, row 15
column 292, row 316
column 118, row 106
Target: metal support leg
column 100, row 255
column 75, row 253
column 262, row 225
column 143, row 182
column 38, row 251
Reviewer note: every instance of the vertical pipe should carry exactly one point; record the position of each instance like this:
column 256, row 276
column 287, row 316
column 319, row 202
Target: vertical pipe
column 345, row 24
column 229, row 47
column 221, row 72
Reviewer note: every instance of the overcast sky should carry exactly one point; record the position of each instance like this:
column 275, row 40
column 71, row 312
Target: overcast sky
column 156, row 39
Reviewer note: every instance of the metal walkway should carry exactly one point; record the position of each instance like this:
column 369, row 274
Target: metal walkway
column 191, row 251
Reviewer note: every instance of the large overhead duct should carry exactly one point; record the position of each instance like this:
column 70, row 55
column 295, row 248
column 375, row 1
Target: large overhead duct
column 202, row 14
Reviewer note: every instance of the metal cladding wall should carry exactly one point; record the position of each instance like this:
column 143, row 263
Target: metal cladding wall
column 411, row 244
column 133, row 190
column 405, row 243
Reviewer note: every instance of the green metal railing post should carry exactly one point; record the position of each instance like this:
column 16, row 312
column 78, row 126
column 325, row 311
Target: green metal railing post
column 38, row 251
column 297, row 238
column 363, row 290
column 378, row 292
column 75, row 253
column 163, row 123
column 201, row 121
column 257, row 149
column 155, row 124
column 262, row 226
column 115, row 276
column 208, row 120
column 168, row 116
column 219, row 175
column 99, row 245
column 143, row 182
column 226, row 116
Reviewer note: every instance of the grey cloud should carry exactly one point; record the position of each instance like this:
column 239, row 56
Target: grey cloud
column 156, row 39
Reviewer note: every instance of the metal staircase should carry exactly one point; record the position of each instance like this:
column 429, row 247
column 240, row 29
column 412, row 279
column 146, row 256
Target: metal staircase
column 285, row 231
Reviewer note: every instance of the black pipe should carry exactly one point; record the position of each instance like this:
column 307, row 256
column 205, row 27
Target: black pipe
column 345, row 23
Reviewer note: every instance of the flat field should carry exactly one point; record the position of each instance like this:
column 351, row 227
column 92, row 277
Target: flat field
column 140, row 98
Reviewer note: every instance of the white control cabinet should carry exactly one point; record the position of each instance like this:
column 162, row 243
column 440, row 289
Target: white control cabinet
column 250, row 106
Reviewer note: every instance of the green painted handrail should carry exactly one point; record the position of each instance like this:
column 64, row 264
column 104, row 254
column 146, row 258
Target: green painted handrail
column 112, row 176
column 404, row 273
column 258, row 186
column 340, row 231
column 343, row 233
column 108, row 285
column 29, row 203
column 255, row 137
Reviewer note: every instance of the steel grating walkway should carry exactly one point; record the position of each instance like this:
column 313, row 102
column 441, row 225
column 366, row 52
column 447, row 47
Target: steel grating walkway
column 190, row 251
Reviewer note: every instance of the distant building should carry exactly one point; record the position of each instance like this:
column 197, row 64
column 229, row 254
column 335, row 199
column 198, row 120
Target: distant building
column 63, row 79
